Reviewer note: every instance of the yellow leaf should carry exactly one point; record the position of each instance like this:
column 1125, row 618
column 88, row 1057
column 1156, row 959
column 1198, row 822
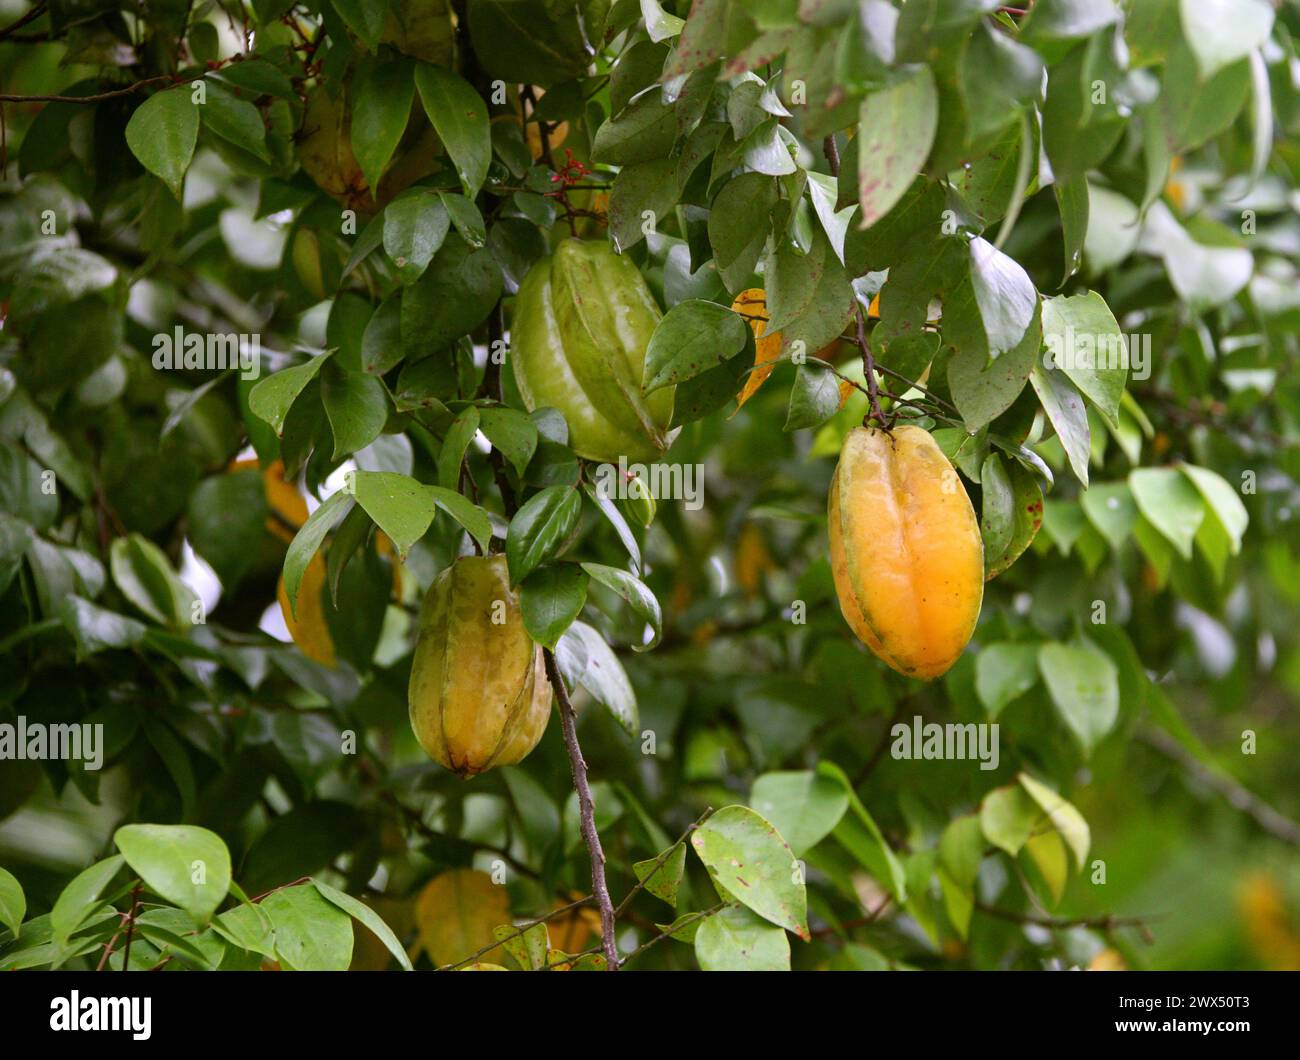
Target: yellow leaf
column 752, row 305
column 1108, row 961
column 752, row 559
column 456, row 912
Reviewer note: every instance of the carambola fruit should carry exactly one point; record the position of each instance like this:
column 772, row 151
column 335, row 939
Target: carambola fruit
column 582, row 322
column 478, row 695
column 906, row 552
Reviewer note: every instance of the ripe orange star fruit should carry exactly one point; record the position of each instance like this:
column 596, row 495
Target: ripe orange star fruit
column 906, row 552
column 752, row 305
column 478, row 695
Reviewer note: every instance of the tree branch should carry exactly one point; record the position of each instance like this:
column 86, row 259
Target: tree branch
column 19, row 23
column 586, row 812
column 1276, row 824
column 128, row 90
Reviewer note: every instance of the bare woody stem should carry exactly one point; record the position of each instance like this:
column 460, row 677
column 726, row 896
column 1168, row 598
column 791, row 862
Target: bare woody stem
column 586, row 812
column 832, row 152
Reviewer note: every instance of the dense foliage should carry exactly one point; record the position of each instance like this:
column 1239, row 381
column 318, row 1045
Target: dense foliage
column 1062, row 237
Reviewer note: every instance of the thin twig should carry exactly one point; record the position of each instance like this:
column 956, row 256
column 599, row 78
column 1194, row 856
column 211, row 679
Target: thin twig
column 116, row 93
column 19, row 23
column 130, row 926
column 868, row 368
column 704, row 914
column 586, row 811
column 659, row 862
column 1108, row 922
column 1271, row 820
column 520, row 930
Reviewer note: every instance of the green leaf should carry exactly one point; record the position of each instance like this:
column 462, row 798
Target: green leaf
column 1008, row 816
column 1066, row 411
column 641, row 188
column 1027, row 505
column 739, row 220
column 381, row 104
column 1003, row 673
column 162, row 133
column 635, row 593
column 454, row 446
column 1221, row 32
column 693, row 337
column 458, row 290
column 983, row 389
column 471, row 517
column 747, row 858
column 610, row 511
column 735, row 940
column 307, row 542
column 550, row 599
column 896, row 127
column 961, row 849
column 415, row 224
column 311, row 933
column 466, row 217
column 662, row 879
column 356, row 405
column 460, row 117
column 804, row 806
column 1074, row 205
column 235, row 120
column 512, row 432
column 186, row 865
column 1224, row 503
column 859, row 834
column 21, row 489
column 814, row 397
column 365, row 18
column 381, row 342
column 80, row 898
column 362, row 912
column 1084, row 686
column 1070, row 19
column 96, row 629
column 1171, row 503
column 1066, row 819
column 1084, row 341
column 1109, row 507
column 273, row 397
column 400, row 506
column 997, row 509
column 1113, row 229
column 13, row 903
column 142, row 571
column 540, row 529
column 585, row 659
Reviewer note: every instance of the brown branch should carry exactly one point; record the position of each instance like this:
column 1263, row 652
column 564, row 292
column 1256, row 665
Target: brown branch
column 1275, row 823
column 130, row 926
column 115, row 94
column 1108, row 922
column 520, row 930
column 586, row 811
column 832, row 152
column 19, row 23
column 704, row 914
column 868, row 368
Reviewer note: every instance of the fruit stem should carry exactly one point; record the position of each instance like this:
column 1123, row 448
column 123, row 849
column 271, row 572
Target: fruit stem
column 869, row 370
column 586, row 812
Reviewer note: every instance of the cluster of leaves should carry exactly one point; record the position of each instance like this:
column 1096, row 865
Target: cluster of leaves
column 364, row 184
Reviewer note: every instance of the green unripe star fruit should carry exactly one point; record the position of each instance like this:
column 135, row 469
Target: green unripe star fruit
column 583, row 320
column 478, row 695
